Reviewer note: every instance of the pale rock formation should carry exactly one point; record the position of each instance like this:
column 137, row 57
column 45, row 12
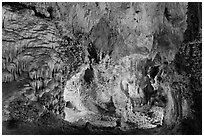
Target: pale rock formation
column 56, row 44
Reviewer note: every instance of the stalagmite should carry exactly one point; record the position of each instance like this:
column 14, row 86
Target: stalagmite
column 104, row 67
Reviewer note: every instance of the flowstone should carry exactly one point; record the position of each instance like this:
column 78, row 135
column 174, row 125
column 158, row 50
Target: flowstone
column 123, row 86
column 104, row 65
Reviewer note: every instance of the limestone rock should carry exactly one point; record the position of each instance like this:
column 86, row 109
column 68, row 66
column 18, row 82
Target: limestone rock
column 112, row 65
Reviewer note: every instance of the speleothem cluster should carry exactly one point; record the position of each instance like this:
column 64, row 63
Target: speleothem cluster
column 107, row 64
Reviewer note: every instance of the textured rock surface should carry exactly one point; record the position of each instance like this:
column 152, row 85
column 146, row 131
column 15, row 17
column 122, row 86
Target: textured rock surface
column 103, row 66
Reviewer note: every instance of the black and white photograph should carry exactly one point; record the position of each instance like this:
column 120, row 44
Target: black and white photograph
column 101, row 68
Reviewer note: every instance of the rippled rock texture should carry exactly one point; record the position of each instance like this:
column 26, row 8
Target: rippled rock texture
column 101, row 68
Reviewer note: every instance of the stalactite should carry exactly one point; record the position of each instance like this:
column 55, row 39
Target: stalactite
column 118, row 41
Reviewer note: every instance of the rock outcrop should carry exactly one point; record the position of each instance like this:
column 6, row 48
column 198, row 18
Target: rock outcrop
column 112, row 65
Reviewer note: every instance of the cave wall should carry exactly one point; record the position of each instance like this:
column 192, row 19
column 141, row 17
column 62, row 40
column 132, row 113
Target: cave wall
column 111, row 60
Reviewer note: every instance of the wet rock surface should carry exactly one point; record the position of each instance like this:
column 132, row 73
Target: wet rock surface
column 101, row 68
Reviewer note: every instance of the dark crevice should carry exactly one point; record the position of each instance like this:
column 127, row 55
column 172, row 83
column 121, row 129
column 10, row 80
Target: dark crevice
column 111, row 107
column 167, row 14
column 194, row 21
column 50, row 11
column 137, row 11
column 68, row 104
column 89, row 75
column 147, row 66
column 93, row 53
column 153, row 71
column 186, row 60
column 97, row 4
column 148, row 91
column 17, row 6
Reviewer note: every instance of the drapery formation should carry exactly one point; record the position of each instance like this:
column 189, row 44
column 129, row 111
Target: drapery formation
column 108, row 64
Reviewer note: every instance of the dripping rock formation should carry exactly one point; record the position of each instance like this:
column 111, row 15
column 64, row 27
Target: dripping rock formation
column 101, row 68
